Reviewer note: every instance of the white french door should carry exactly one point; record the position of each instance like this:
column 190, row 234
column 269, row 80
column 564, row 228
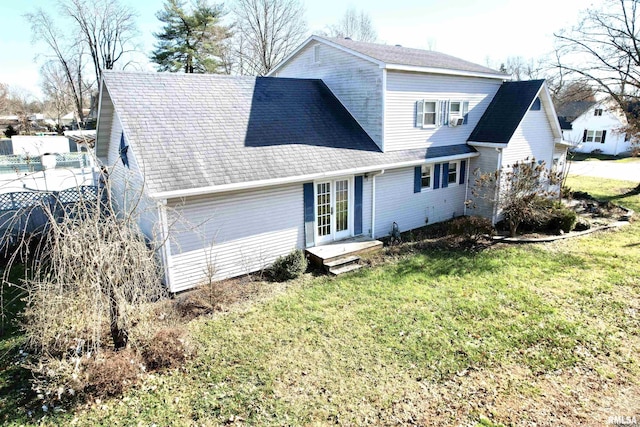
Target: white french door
column 333, row 210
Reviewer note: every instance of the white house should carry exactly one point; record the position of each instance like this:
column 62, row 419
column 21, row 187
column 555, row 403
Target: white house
column 344, row 139
column 591, row 126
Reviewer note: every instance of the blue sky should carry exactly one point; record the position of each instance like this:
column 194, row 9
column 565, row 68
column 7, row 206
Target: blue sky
column 472, row 30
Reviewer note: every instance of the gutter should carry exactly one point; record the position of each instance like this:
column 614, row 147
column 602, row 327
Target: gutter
column 451, row 72
column 495, row 145
column 161, row 195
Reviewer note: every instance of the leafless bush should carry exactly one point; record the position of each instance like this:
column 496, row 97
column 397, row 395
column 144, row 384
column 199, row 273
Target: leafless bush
column 89, row 271
column 169, row 348
column 110, row 373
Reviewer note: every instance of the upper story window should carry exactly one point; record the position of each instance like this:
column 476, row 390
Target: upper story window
column 536, row 105
column 597, row 112
column 435, row 113
column 426, row 176
column 594, row 136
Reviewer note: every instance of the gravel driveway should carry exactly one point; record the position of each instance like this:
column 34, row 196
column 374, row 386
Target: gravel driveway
column 627, row 171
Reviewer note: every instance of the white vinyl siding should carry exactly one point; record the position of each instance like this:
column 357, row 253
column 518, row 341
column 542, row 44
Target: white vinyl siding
column 533, row 138
column 357, row 83
column 405, row 89
column 236, row 233
column 487, row 162
column 396, row 202
column 129, row 196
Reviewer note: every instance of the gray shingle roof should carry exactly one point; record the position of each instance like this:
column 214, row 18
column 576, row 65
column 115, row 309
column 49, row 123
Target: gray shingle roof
column 193, row 131
column 399, row 55
column 506, row 111
column 572, row 110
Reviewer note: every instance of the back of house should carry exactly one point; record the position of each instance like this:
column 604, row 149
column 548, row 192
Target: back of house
column 343, row 139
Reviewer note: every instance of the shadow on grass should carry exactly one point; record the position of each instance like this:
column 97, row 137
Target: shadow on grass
column 633, row 192
column 15, row 388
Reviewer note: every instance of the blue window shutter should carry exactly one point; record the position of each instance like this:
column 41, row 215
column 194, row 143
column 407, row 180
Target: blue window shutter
column 417, row 179
column 309, row 216
column 463, row 171
column 436, row 176
column 357, row 211
column 123, row 151
column 604, row 135
column 465, row 111
column 445, row 175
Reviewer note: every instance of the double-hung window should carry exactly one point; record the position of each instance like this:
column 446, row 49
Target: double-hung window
column 426, row 176
column 431, row 113
column 597, row 112
column 597, row 136
column 427, row 113
column 452, row 177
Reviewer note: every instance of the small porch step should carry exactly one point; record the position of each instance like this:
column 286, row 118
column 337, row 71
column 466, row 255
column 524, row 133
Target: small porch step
column 345, row 268
column 341, row 261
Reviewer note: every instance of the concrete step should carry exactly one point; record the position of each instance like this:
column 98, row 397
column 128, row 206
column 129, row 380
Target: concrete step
column 344, row 269
column 342, row 261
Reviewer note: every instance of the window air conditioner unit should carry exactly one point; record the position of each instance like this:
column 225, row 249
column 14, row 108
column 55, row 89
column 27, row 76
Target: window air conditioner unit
column 456, row 121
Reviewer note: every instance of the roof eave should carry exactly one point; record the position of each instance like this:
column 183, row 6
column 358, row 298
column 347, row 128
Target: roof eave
column 446, row 71
column 212, row 189
column 488, row 144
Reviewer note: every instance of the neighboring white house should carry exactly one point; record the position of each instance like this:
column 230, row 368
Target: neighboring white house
column 591, row 126
column 348, row 139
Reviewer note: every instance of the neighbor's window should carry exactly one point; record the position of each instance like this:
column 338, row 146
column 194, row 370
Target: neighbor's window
column 597, row 112
column 426, row 176
column 594, row 136
column 453, row 173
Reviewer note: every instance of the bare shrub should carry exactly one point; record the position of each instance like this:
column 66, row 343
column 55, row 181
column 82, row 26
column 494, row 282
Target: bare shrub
column 169, row 348
column 472, row 228
column 94, row 270
column 111, row 373
column 514, row 188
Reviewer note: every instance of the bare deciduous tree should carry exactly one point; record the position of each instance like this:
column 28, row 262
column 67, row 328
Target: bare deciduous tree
column 520, row 68
column 107, row 29
column 266, row 32
column 4, row 98
column 603, row 49
column 66, row 52
column 58, row 100
column 356, row 26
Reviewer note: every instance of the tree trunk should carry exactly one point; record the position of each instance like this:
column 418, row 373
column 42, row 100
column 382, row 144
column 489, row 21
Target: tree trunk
column 118, row 335
column 513, row 228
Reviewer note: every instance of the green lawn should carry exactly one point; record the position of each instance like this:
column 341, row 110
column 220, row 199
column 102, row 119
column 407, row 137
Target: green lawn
column 508, row 335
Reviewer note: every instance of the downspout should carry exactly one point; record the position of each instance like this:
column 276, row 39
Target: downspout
column 496, row 195
column 165, row 245
column 466, row 188
column 373, row 202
